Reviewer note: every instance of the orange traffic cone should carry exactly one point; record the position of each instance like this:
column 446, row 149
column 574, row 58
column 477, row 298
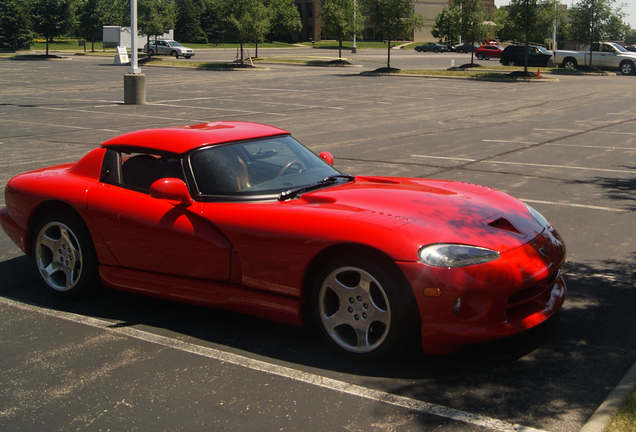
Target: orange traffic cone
column 538, row 73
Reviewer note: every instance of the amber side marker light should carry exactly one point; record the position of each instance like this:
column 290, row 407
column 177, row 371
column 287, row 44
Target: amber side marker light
column 432, row 292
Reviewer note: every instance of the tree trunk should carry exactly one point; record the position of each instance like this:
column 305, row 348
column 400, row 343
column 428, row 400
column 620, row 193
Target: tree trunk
column 241, row 52
column 340, row 49
column 388, row 57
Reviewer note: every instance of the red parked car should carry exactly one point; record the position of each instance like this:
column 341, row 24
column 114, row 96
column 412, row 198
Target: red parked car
column 486, row 52
column 241, row 216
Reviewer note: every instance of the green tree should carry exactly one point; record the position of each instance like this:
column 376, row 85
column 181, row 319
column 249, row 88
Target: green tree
column 245, row 21
column 15, row 33
column 211, row 21
column 394, row 19
column 531, row 20
column 51, row 18
column 630, row 35
column 472, row 21
column 187, row 26
column 591, row 21
column 90, row 15
column 285, row 18
column 446, row 25
column 155, row 17
column 341, row 19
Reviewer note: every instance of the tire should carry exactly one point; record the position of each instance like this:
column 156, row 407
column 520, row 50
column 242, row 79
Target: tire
column 64, row 255
column 480, row 56
column 570, row 63
column 362, row 309
column 174, row 54
column 188, row 57
column 436, row 50
column 511, row 62
column 486, row 58
column 627, row 67
column 151, row 52
column 461, row 51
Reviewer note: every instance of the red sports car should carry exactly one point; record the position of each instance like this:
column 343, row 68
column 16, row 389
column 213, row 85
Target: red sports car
column 240, row 216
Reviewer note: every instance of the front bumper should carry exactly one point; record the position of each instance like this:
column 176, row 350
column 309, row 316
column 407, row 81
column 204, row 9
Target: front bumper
column 520, row 290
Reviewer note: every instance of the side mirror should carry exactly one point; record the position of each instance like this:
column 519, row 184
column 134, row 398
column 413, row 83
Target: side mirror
column 328, row 157
column 172, row 189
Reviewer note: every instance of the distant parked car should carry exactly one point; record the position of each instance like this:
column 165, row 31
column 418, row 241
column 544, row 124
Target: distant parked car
column 168, row 47
column 514, row 55
column 431, row 46
column 465, row 48
column 631, row 48
column 486, row 52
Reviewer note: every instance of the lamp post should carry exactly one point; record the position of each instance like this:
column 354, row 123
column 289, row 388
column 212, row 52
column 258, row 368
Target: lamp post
column 134, row 80
column 355, row 48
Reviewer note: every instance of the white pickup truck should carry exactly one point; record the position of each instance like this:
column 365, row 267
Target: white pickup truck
column 605, row 55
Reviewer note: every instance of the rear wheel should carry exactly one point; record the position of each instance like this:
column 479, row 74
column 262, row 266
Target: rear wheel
column 362, row 309
column 627, row 67
column 64, row 255
column 480, row 56
column 151, row 52
column 570, row 63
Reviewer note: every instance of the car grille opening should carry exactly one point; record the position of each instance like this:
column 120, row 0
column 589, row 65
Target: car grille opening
column 530, row 300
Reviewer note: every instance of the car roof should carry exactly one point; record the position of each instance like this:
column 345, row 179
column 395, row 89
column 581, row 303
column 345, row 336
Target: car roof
column 181, row 139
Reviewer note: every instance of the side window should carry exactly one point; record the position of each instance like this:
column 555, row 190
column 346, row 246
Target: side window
column 140, row 170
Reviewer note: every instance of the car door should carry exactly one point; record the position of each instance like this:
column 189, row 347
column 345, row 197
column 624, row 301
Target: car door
column 606, row 57
column 156, row 235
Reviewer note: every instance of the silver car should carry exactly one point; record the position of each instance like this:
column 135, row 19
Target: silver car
column 168, row 47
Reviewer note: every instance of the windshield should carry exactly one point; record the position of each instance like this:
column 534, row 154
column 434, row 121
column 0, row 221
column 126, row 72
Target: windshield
column 258, row 168
column 543, row 50
column 618, row 47
column 174, row 44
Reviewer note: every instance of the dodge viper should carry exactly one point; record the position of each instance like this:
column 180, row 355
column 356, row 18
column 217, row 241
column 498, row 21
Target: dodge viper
column 241, row 216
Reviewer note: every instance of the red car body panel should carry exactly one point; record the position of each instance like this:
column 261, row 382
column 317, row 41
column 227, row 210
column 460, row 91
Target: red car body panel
column 490, row 51
column 181, row 139
column 254, row 257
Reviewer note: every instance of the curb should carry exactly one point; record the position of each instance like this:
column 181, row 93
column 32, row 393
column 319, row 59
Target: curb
column 610, row 406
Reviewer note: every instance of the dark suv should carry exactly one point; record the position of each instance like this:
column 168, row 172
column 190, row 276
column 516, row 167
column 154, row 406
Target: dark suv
column 513, row 55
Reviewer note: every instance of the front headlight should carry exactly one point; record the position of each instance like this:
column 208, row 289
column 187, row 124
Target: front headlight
column 539, row 218
column 455, row 255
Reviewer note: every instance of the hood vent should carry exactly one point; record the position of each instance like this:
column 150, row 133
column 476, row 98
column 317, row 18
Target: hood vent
column 504, row 224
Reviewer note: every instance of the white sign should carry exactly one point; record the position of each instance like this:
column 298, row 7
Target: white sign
column 122, row 55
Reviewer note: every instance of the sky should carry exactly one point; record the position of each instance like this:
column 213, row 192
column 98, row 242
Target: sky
column 630, row 8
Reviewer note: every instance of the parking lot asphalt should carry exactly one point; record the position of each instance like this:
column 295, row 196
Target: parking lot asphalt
column 131, row 363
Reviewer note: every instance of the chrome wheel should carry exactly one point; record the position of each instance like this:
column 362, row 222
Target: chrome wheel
column 354, row 309
column 64, row 255
column 627, row 68
column 480, row 56
column 58, row 256
column 569, row 64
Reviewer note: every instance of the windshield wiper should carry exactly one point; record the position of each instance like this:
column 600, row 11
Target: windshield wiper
column 292, row 193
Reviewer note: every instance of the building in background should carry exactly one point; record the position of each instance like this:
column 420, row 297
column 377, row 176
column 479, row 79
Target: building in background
column 310, row 12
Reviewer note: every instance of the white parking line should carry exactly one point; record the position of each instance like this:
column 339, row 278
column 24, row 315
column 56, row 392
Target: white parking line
column 566, row 204
column 282, row 371
column 511, row 142
column 528, row 164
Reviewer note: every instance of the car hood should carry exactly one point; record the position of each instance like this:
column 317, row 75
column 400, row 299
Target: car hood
column 432, row 211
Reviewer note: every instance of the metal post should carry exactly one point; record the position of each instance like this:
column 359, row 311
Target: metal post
column 134, row 80
column 355, row 48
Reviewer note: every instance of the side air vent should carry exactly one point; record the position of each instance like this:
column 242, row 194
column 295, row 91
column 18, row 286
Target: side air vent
column 504, row 224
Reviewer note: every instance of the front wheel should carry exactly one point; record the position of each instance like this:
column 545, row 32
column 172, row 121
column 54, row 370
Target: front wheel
column 511, row 62
column 362, row 309
column 174, row 54
column 64, row 255
column 627, row 67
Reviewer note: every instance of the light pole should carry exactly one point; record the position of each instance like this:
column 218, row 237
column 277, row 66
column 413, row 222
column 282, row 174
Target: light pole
column 134, row 80
column 355, row 48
